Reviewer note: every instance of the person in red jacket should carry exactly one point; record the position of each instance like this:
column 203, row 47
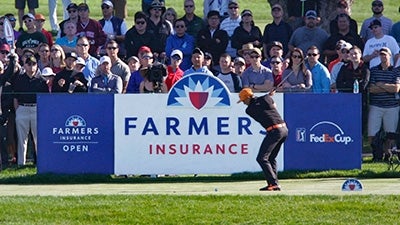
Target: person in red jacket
column 174, row 73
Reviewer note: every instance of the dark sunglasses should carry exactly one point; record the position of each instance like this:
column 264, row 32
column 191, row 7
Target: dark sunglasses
column 44, row 51
column 275, row 62
column 140, row 22
column 377, row 4
column 83, row 9
column 157, row 9
column 12, row 19
column 176, row 57
column 312, row 54
column 111, row 48
column 254, row 56
column 4, row 52
column 296, row 56
column 233, row 7
column 189, row 6
column 345, row 51
column 179, row 26
column 105, row 7
column 1, row 23
column 72, row 11
column 26, row 21
column 83, row 45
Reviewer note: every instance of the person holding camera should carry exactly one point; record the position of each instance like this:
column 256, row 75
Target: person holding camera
column 153, row 79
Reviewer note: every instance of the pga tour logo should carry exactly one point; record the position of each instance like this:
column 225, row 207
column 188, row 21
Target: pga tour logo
column 199, row 91
column 323, row 132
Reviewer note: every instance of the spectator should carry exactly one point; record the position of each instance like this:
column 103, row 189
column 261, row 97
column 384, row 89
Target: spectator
column 48, row 75
column 297, row 77
column 146, row 59
column 181, row 41
column 44, row 56
column 343, row 33
column 114, row 27
column 342, row 7
column 53, row 14
column 230, row 24
column 159, row 28
column 343, row 60
column 278, row 30
column 13, row 21
column 383, row 86
column 298, row 8
column 68, row 42
column 219, row 6
column 39, row 23
column 69, row 79
column 379, row 40
column 386, row 23
column 27, row 85
column 193, row 23
column 239, row 66
column 91, row 63
column 72, row 10
column 274, row 48
column 153, row 86
column 227, row 76
column 170, row 16
column 118, row 67
column 31, row 34
column 106, row 81
column 340, row 48
column 209, row 63
column 138, row 36
column 320, row 75
column 91, row 29
column 211, row 38
column 277, row 70
column 174, row 72
column 20, row 5
column 133, row 63
column 197, row 64
column 146, row 4
column 245, row 53
column 308, row 35
column 247, row 32
column 257, row 77
column 57, row 58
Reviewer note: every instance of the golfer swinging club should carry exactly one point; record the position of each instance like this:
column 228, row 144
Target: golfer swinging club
column 263, row 110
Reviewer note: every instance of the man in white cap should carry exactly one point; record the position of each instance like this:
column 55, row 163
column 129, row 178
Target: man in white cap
column 106, row 82
column 114, row 27
column 174, row 72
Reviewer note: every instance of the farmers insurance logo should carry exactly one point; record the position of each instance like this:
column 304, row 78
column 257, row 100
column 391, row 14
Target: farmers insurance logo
column 323, row 132
column 199, row 91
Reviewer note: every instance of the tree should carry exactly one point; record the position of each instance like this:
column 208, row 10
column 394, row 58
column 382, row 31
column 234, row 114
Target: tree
column 326, row 9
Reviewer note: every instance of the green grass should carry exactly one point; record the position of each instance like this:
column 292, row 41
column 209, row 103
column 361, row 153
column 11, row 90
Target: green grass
column 211, row 209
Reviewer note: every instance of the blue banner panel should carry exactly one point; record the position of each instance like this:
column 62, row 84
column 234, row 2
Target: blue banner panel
column 75, row 134
column 324, row 131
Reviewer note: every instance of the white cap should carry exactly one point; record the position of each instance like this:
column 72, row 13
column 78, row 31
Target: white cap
column 104, row 59
column 47, row 71
column 109, row 3
column 80, row 61
column 177, row 52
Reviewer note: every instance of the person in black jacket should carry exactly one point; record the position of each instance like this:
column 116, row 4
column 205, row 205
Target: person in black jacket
column 230, row 79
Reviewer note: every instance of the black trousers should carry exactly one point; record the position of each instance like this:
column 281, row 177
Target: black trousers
column 268, row 152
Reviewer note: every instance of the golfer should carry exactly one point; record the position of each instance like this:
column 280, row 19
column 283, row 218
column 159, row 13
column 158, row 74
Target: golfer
column 263, row 110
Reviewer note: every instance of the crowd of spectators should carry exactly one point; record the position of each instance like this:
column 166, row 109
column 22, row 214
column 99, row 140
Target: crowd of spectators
column 82, row 54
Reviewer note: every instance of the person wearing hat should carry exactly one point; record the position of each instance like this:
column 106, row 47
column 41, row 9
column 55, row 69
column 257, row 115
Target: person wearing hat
column 277, row 30
column 297, row 10
column 146, row 59
column 343, row 52
column 239, row 66
column 274, row 49
column 342, row 7
column 193, row 22
column 13, row 21
column 35, row 37
column 146, row 5
column 73, row 17
column 53, row 14
column 263, row 110
column 27, row 84
column 197, row 64
column 386, row 23
column 230, row 24
column 91, row 29
column 247, row 32
column 70, row 79
column 48, row 75
column 174, row 72
column 384, row 85
column 245, row 53
column 20, row 5
column 106, row 81
column 138, row 36
column 39, row 24
column 212, row 39
column 159, row 28
column 343, row 33
column 372, row 46
column 181, row 41
column 114, row 27
column 309, row 34
column 257, row 77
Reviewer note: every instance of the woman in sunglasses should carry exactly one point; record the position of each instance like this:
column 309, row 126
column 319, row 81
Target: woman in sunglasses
column 296, row 77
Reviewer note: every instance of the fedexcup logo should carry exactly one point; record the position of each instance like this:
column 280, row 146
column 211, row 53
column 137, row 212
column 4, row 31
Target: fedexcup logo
column 199, row 91
column 352, row 185
column 323, row 132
